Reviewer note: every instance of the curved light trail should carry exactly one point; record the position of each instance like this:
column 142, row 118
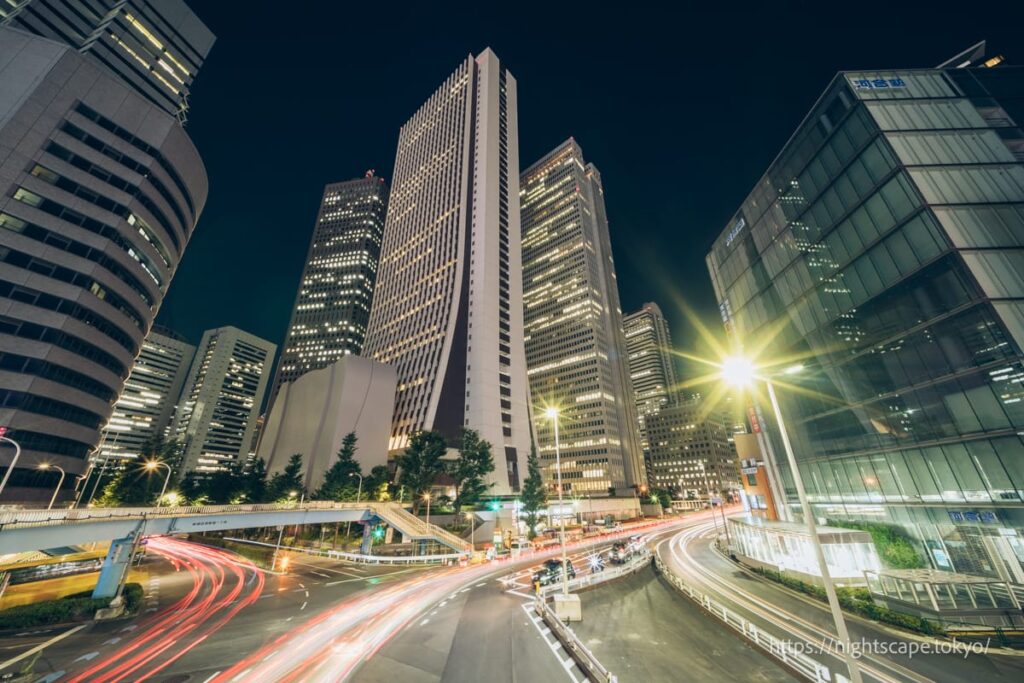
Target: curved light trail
column 223, row 585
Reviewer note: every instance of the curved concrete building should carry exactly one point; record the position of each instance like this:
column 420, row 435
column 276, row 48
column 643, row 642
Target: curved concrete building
column 100, row 190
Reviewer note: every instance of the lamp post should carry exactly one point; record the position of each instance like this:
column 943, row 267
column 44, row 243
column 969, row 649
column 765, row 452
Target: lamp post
column 552, row 413
column 153, row 466
column 17, row 454
column 426, row 497
column 741, row 372
column 472, row 529
column 60, row 482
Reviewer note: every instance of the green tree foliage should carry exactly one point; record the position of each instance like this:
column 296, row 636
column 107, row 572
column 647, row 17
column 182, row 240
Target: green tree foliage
column 254, row 483
column 342, row 479
column 533, row 497
column 420, row 465
column 283, row 483
column 135, row 485
column 378, row 484
column 474, row 463
column 663, row 496
column 894, row 546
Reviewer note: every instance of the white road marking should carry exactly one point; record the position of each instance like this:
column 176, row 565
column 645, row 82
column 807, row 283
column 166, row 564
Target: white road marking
column 213, row 676
column 42, row 646
column 424, row 622
column 304, row 605
column 86, row 657
column 112, row 641
column 127, row 629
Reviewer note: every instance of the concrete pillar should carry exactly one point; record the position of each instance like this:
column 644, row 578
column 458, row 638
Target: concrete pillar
column 367, row 544
column 115, row 566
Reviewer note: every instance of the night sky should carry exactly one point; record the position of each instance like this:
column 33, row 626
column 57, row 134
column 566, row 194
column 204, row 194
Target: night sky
column 681, row 113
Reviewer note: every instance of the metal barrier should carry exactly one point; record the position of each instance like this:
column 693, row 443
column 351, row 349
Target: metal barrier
column 642, row 559
column 356, row 557
column 573, row 645
column 782, row 650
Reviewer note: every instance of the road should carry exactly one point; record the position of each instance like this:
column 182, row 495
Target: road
column 690, row 555
column 205, row 608
column 643, row 630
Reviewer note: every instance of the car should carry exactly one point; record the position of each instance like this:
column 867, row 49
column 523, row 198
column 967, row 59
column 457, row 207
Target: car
column 621, row 553
column 551, row 571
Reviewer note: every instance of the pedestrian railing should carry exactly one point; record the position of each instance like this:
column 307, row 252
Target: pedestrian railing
column 590, row 665
column 785, row 651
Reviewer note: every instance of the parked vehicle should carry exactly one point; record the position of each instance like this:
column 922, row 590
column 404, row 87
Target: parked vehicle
column 551, row 571
column 621, row 553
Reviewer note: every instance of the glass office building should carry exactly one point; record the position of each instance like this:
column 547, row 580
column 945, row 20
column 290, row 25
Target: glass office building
column 885, row 244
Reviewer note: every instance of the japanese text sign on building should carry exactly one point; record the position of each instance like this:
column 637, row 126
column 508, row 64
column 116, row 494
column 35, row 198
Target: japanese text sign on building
column 878, row 83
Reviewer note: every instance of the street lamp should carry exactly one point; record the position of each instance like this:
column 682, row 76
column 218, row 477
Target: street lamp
column 552, row 414
column 426, row 497
column 17, row 454
column 60, row 482
column 472, row 529
column 153, row 466
column 741, row 372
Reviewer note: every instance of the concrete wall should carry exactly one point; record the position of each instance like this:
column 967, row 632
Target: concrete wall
column 313, row 414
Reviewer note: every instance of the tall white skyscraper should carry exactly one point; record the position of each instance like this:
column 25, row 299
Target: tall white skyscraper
column 448, row 312
column 575, row 349
column 146, row 405
column 651, row 366
column 217, row 414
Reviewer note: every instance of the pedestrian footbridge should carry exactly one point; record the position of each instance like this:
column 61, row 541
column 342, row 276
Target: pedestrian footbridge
column 25, row 530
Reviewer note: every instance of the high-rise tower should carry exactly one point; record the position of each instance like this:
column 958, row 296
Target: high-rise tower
column 652, row 368
column 575, row 348
column 100, row 191
column 447, row 311
column 332, row 307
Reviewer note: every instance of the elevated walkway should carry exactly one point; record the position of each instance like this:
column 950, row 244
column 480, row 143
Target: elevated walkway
column 25, row 530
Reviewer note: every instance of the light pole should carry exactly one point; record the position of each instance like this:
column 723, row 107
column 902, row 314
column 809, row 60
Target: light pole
column 17, row 454
column 552, row 413
column 83, row 481
column 60, row 482
column 741, row 372
column 426, row 497
column 472, row 529
column 359, row 495
column 153, row 466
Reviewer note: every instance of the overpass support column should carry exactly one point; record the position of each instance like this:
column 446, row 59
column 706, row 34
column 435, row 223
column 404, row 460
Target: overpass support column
column 115, row 567
column 367, row 543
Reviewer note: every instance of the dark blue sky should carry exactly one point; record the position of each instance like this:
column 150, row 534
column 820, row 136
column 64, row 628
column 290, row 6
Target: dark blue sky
column 682, row 112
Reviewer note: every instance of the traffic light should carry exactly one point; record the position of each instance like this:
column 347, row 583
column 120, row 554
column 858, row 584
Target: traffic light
column 495, row 506
column 378, row 532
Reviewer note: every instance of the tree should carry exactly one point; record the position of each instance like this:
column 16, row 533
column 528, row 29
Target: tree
column 534, row 496
column 420, row 465
column 135, row 485
column 378, row 484
column 254, row 483
column 340, row 482
column 474, row 463
column 283, row 483
column 662, row 497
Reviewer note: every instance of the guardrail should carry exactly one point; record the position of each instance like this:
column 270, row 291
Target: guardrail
column 573, row 645
column 642, row 559
column 356, row 557
column 782, row 650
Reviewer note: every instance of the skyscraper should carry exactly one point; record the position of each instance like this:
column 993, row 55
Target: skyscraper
column 575, row 348
column 219, row 407
column 155, row 46
column 332, row 307
column 146, row 405
column 885, row 247
column 691, row 455
column 652, row 368
column 447, row 311
column 100, row 191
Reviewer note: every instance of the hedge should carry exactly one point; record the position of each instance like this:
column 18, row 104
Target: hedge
column 77, row 607
column 858, row 601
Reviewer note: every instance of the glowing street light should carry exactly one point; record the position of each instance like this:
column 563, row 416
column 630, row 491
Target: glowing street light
column 741, row 372
column 426, row 497
column 552, row 414
column 153, row 466
column 48, row 466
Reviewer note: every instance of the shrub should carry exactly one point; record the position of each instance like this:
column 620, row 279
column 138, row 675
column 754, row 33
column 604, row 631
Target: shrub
column 895, row 548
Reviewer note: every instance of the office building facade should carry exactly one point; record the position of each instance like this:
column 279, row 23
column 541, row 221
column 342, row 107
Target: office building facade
column 156, row 47
column 652, row 368
column 691, row 454
column 332, row 306
column 885, row 248
column 447, row 311
column 575, row 350
column 100, row 191
column 220, row 404
column 143, row 411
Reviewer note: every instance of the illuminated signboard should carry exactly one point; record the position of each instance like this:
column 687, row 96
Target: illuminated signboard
column 737, row 228
column 877, row 83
